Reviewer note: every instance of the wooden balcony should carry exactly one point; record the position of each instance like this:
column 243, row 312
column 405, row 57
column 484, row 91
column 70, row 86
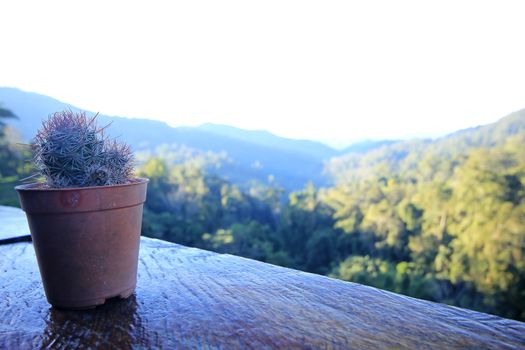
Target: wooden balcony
column 191, row 298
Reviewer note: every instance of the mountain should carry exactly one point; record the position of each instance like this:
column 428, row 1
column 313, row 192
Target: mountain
column 257, row 154
column 251, row 154
column 265, row 138
column 402, row 157
column 366, row 145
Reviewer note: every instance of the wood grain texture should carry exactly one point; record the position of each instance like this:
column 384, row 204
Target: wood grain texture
column 190, row 298
column 13, row 224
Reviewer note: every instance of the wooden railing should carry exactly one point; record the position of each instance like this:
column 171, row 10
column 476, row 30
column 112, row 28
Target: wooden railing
column 191, row 298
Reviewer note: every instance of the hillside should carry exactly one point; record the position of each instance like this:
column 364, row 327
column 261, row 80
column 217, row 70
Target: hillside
column 440, row 219
column 252, row 154
column 403, row 157
column 265, row 138
column 247, row 155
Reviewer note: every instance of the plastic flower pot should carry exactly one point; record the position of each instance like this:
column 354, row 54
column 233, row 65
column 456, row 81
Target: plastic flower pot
column 86, row 240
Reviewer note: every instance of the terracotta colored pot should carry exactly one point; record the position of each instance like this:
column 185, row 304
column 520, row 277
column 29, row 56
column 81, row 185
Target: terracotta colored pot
column 86, row 240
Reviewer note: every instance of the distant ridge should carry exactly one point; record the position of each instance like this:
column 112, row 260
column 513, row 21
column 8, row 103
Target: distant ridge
column 257, row 154
column 402, row 156
column 291, row 162
column 266, row 138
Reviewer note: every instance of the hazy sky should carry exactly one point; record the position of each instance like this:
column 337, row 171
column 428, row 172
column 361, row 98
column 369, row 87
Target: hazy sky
column 337, row 70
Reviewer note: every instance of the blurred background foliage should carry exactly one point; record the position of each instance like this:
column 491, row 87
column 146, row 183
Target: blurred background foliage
column 441, row 220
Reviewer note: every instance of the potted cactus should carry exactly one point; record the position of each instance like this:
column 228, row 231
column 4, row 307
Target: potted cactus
column 85, row 212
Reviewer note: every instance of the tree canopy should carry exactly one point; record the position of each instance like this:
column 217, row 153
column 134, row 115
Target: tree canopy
column 441, row 220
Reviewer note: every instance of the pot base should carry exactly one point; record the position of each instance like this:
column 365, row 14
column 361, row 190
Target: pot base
column 92, row 303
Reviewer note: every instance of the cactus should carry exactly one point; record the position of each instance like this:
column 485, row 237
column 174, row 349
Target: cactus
column 71, row 151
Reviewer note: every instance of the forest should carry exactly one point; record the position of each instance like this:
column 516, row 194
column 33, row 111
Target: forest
column 442, row 220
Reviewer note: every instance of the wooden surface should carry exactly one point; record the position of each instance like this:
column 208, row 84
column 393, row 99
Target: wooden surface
column 190, row 298
column 13, row 224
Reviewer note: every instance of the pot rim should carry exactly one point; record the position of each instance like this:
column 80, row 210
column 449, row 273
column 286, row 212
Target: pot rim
column 33, row 186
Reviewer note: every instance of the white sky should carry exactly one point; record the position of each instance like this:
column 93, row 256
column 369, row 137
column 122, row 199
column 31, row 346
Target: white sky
column 336, row 70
